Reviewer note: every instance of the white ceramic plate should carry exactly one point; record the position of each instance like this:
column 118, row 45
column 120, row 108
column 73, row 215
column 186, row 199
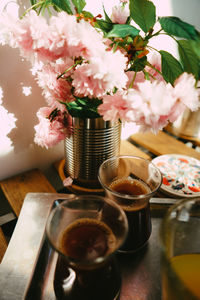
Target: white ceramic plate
column 181, row 175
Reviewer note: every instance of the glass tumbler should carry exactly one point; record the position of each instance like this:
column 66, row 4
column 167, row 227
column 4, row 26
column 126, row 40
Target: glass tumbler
column 86, row 231
column 180, row 244
column 131, row 181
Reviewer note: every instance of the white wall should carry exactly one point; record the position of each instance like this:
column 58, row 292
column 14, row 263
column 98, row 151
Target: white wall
column 187, row 11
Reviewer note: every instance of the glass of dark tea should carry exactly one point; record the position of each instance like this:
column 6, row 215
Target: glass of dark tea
column 180, row 249
column 86, row 231
column 131, row 181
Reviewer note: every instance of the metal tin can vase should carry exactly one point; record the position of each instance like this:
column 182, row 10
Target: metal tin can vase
column 92, row 141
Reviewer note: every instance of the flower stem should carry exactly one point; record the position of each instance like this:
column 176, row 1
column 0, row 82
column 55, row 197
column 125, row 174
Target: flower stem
column 132, row 81
column 40, row 3
column 78, row 61
column 150, row 47
column 155, row 34
column 151, row 66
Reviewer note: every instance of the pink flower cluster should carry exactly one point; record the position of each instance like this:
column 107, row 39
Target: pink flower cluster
column 120, row 14
column 91, row 69
column 151, row 105
column 49, row 132
column 53, row 49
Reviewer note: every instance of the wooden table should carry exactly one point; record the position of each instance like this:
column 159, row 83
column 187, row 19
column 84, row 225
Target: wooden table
column 28, row 267
column 145, row 145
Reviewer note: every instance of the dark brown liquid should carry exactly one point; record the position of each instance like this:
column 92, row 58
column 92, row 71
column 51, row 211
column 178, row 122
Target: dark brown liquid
column 130, row 187
column 139, row 222
column 139, row 218
column 85, row 241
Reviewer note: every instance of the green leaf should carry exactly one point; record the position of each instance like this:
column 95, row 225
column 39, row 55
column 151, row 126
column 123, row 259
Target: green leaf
column 53, row 114
column 79, row 112
column 106, row 16
column 123, row 30
column 63, row 5
column 171, row 67
column 87, row 14
column 79, row 4
column 139, row 64
column 84, row 108
column 129, row 19
column 195, row 44
column 104, row 25
column 33, row 2
column 176, row 27
column 188, row 58
column 143, row 12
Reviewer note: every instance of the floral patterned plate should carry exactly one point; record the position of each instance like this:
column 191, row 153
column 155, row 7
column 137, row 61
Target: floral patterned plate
column 181, row 175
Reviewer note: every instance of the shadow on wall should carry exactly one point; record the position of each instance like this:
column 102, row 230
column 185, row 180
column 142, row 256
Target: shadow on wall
column 15, row 74
column 14, row 77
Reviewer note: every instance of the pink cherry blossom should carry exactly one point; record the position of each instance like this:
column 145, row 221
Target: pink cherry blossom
column 48, row 45
column 154, row 59
column 176, row 110
column 185, row 91
column 154, row 105
column 120, row 14
column 80, row 39
column 91, row 42
column 67, row 181
column 114, row 107
column 55, row 89
column 151, row 106
column 101, row 75
column 134, row 78
column 86, row 84
column 49, row 133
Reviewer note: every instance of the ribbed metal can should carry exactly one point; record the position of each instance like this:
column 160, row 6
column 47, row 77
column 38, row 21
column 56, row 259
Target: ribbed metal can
column 91, row 142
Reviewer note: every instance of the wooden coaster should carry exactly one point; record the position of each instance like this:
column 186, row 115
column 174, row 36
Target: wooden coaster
column 76, row 189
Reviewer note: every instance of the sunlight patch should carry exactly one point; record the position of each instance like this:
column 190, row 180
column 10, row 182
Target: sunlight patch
column 27, row 90
column 7, row 123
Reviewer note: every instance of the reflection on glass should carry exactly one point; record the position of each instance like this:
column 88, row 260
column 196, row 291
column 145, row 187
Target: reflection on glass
column 86, row 231
column 131, row 181
column 181, row 251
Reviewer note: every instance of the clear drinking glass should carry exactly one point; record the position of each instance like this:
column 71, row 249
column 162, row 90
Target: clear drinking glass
column 86, row 231
column 180, row 242
column 131, row 181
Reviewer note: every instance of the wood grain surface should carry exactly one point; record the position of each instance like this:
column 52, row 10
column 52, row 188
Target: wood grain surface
column 163, row 143
column 127, row 148
column 3, row 244
column 16, row 188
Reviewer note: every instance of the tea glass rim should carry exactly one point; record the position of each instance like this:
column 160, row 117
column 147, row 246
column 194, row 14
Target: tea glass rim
column 126, row 196
column 98, row 260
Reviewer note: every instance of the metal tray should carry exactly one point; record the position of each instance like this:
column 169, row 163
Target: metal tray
column 28, row 266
